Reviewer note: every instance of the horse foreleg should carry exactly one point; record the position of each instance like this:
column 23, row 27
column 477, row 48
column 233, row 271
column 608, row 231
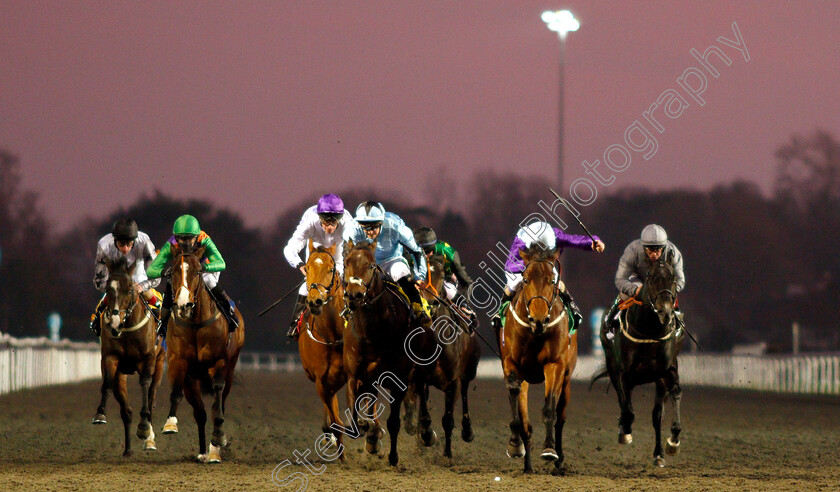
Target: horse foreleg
column 121, row 394
column 144, row 428
column 448, row 421
column 100, row 418
column 192, row 391
column 410, row 407
column 553, row 388
column 177, row 374
column 656, row 419
column 466, row 423
column 625, row 421
column 393, row 424
column 426, row 435
column 334, row 418
column 562, row 405
column 672, row 381
column 517, row 444
column 218, row 439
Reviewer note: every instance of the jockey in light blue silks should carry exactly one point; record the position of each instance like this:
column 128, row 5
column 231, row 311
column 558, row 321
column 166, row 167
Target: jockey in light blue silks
column 391, row 234
column 325, row 224
column 548, row 238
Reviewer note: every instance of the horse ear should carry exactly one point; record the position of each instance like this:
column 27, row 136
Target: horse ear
column 131, row 267
column 372, row 247
column 348, row 246
column 554, row 255
column 525, row 255
column 311, row 247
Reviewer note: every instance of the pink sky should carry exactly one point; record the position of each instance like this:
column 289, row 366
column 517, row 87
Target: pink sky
column 258, row 105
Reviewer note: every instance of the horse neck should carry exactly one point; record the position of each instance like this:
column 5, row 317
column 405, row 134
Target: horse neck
column 204, row 305
column 645, row 322
column 330, row 320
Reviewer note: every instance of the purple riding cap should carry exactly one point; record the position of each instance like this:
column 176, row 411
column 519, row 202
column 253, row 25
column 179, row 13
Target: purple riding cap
column 330, row 204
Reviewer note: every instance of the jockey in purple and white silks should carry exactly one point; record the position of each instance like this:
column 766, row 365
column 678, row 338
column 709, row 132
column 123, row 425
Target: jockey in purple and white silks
column 125, row 243
column 324, row 224
column 542, row 234
column 392, row 236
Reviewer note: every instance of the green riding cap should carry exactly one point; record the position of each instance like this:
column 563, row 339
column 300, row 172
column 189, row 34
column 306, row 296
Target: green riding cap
column 186, row 225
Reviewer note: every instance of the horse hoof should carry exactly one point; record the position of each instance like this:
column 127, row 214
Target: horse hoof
column 409, row 427
column 171, row 426
column 219, row 441
column 515, row 450
column 393, row 459
column 549, row 454
column 142, row 433
column 128, row 453
column 99, row 419
column 201, row 458
column 427, row 438
column 625, row 438
column 149, row 445
column 214, row 455
column 659, row 461
column 373, row 447
column 672, row 447
column 467, row 434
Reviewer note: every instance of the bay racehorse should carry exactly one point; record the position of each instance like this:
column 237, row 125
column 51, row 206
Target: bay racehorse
column 321, row 339
column 202, row 350
column 536, row 346
column 644, row 350
column 128, row 345
column 377, row 340
column 455, row 367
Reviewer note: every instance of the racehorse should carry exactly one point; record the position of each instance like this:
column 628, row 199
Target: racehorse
column 645, row 351
column 321, row 340
column 128, row 345
column 456, row 365
column 202, row 350
column 536, row 346
column 376, row 342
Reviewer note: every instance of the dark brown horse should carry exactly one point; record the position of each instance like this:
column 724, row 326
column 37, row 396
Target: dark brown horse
column 321, row 340
column 536, row 346
column 456, row 366
column 376, row 345
column 202, row 350
column 129, row 345
column 644, row 350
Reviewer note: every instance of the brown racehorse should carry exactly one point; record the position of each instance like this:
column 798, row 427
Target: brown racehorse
column 202, row 351
column 321, row 339
column 644, row 351
column 456, row 366
column 129, row 345
column 536, row 346
column 376, row 342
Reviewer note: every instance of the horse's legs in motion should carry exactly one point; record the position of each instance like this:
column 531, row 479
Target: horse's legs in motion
column 672, row 382
column 656, row 418
column 373, row 429
column 144, row 428
column 553, row 388
column 156, row 378
column 218, row 439
column 519, row 442
column 100, row 418
column 624, row 388
column 192, row 391
column 328, row 396
column 121, row 394
column 177, row 373
column 466, row 423
column 410, row 409
column 424, row 420
column 448, row 422
column 393, row 424
column 562, row 404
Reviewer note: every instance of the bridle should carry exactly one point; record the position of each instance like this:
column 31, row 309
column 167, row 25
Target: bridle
column 123, row 314
column 375, row 272
column 327, row 288
column 191, row 324
column 549, row 303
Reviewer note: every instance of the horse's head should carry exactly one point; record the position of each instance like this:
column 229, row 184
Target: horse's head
column 359, row 271
column 321, row 276
column 119, row 294
column 660, row 291
column 186, row 282
column 539, row 286
column 436, row 273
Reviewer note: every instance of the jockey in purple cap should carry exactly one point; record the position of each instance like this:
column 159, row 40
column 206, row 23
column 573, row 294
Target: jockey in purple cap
column 324, row 224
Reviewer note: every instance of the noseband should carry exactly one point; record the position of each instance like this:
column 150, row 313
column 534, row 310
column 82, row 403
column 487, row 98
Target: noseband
column 550, row 303
column 327, row 288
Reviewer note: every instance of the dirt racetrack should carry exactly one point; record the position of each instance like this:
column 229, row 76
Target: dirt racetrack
column 731, row 440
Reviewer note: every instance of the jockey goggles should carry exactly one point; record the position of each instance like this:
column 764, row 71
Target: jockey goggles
column 371, row 226
column 654, row 247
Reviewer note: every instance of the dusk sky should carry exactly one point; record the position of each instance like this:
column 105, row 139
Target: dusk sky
column 259, row 105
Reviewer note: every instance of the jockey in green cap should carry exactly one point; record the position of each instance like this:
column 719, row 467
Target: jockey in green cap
column 187, row 237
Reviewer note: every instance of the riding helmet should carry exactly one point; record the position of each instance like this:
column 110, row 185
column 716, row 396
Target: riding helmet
column 330, row 207
column 425, row 237
column 370, row 212
column 654, row 235
column 538, row 233
column 186, row 225
column 125, row 230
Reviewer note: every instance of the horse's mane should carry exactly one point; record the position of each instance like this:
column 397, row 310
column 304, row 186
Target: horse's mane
column 537, row 252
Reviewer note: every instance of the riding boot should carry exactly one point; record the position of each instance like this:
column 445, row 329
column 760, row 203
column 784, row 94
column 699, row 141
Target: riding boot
column 496, row 320
column 97, row 313
column 165, row 306
column 227, row 305
column 410, row 290
column 300, row 305
column 680, row 319
column 612, row 323
column 462, row 304
column 567, row 299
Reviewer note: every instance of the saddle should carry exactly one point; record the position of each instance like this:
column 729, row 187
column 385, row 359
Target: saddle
column 403, row 297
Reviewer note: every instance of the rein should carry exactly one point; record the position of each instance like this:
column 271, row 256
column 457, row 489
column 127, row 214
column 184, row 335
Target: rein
column 332, row 286
column 197, row 324
column 550, row 303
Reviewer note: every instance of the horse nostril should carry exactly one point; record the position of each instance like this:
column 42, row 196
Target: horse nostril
column 319, row 302
column 546, row 320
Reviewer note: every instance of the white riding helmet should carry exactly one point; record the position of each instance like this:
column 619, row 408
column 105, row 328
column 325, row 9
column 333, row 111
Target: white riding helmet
column 539, row 233
column 654, row 235
column 370, row 212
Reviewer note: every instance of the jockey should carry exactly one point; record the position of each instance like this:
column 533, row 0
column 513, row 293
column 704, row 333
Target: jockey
column 324, row 224
column 391, row 235
column 636, row 262
column 124, row 243
column 542, row 234
column 454, row 270
column 187, row 237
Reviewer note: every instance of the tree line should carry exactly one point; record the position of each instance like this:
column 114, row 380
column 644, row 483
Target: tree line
column 754, row 263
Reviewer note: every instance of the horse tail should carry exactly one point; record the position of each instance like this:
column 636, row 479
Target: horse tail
column 600, row 372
